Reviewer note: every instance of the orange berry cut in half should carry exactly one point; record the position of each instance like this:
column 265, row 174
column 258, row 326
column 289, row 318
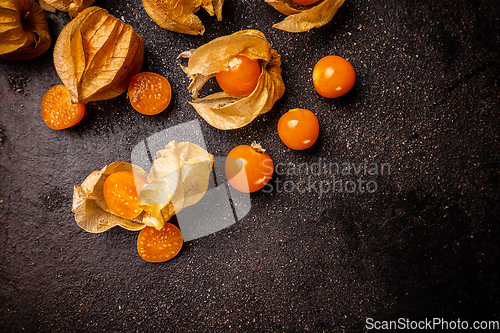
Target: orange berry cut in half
column 149, row 93
column 159, row 245
column 58, row 111
column 120, row 193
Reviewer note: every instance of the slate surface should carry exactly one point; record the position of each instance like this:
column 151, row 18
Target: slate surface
column 421, row 244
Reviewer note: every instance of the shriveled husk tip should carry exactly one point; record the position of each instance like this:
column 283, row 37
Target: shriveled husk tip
column 179, row 16
column 96, row 55
column 222, row 110
column 300, row 18
column 73, row 7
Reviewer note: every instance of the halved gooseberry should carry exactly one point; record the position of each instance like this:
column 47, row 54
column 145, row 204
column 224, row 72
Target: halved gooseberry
column 57, row 110
column 120, row 193
column 159, row 245
column 149, row 93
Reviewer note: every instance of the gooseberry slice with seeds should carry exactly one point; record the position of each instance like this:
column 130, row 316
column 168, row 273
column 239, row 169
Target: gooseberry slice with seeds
column 161, row 245
column 149, row 93
column 57, row 110
column 120, row 193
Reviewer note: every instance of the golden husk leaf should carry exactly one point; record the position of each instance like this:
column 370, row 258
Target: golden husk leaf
column 222, row 110
column 179, row 178
column 302, row 18
column 178, row 15
column 24, row 32
column 73, row 7
column 96, row 55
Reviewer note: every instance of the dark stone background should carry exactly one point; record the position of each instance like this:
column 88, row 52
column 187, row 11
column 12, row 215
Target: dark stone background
column 424, row 245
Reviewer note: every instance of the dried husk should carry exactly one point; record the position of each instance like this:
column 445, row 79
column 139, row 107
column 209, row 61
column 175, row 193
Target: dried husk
column 179, row 178
column 91, row 212
column 222, row 110
column 96, row 55
column 178, row 15
column 304, row 18
column 24, row 32
column 73, row 7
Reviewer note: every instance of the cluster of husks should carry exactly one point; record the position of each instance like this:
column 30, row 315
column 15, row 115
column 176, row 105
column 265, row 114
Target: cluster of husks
column 96, row 55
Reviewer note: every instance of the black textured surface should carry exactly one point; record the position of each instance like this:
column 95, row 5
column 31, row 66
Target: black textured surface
column 423, row 245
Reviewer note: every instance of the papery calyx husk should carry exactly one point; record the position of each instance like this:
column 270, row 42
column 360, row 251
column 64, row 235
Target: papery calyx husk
column 91, row 211
column 178, row 15
column 178, row 178
column 24, row 32
column 304, row 18
column 96, row 55
column 73, row 7
column 222, row 110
